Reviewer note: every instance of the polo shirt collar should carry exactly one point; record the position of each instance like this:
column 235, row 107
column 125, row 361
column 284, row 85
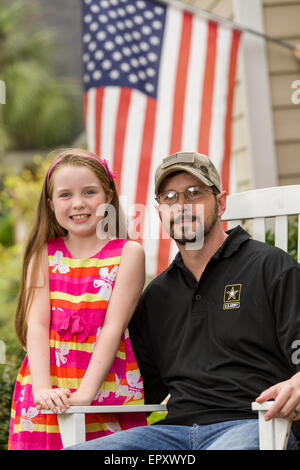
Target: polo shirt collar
column 236, row 237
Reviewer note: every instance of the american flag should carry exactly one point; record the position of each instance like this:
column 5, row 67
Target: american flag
column 157, row 80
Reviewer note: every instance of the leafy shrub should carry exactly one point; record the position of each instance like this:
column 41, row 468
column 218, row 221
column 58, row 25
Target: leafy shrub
column 10, row 261
column 6, row 229
column 41, row 109
column 292, row 237
column 8, row 375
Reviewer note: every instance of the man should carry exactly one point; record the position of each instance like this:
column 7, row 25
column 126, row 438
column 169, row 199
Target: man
column 216, row 330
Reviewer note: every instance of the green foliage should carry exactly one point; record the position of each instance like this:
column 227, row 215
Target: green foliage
column 292, row 237
column 156, row 416
column 8, row 375
column 6, row 229
column 10, row 260
column 41, row 109
column 20, row 193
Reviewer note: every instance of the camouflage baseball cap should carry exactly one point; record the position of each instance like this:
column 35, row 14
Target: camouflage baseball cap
column 196, row 164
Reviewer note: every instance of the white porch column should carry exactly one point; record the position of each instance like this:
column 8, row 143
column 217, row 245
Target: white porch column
column 254, row 74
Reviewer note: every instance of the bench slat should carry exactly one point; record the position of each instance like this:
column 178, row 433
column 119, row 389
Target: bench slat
column 111, row 409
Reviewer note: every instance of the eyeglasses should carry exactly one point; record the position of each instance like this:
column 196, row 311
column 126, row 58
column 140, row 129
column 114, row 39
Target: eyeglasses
column 193, row 193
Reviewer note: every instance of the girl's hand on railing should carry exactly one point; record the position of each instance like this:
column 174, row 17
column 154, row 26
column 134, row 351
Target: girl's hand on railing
column 54, row 399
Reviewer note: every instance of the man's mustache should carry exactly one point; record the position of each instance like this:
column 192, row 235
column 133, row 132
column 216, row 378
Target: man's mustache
column 185, row 218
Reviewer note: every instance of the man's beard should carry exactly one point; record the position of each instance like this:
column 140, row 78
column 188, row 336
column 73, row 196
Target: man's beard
column 196, row 237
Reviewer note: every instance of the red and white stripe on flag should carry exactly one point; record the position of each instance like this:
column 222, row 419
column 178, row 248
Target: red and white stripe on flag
column 192, row 111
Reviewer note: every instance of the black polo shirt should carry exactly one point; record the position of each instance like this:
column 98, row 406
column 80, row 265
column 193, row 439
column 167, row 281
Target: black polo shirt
column 216, row 344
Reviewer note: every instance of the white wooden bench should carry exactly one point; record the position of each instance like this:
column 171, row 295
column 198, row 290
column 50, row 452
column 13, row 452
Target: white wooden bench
column 273, row 434
column 258, row 205
column 72, row 422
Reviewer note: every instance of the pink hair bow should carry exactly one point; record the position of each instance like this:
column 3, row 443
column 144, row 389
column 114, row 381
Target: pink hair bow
column 110, row 173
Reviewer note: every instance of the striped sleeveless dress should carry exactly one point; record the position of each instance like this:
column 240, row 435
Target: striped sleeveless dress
column 80, row 290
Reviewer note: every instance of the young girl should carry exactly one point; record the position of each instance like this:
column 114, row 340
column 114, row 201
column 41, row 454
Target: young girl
column 78, row 292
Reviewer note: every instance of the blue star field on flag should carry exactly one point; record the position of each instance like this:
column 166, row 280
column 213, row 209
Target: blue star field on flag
column 122, row 41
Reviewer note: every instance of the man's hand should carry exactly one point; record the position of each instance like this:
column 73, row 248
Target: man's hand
column 296, row 52
column 286, row 397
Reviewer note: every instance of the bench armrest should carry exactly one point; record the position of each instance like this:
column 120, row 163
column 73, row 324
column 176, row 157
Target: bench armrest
column 273, row 434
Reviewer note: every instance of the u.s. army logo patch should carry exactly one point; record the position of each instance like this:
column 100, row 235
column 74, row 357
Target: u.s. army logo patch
column 232, row 296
